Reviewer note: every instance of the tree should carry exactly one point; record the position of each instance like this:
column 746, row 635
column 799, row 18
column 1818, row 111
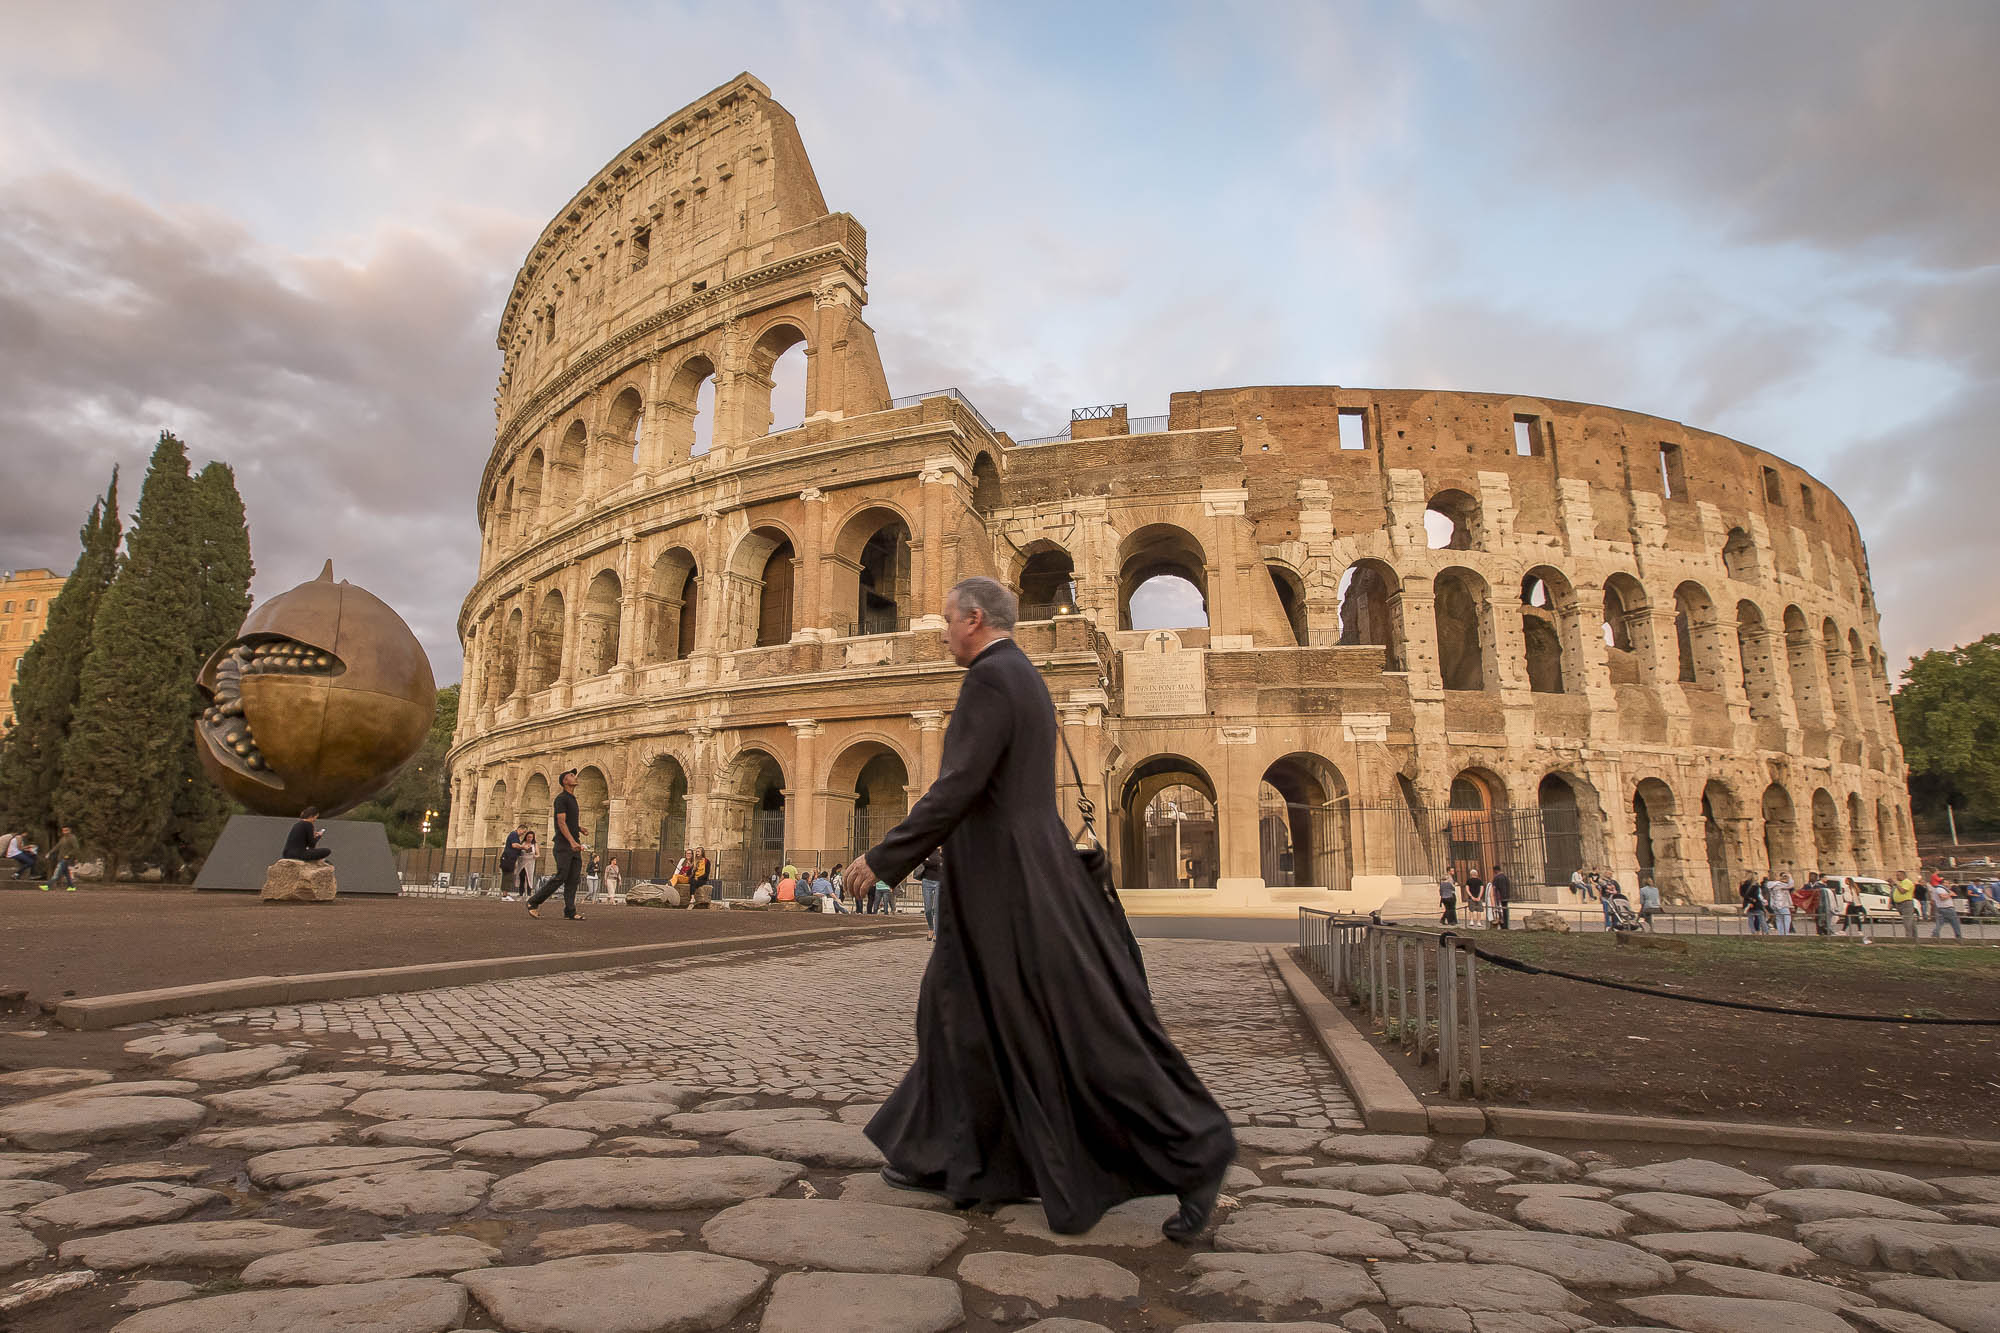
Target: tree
column 1948, row 712
column 221, row 540
column 420, row 786
column 133, row 725
column 45, row 688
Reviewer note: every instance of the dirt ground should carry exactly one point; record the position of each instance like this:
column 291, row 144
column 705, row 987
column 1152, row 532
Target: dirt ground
column 104, row 941
column 1566, row 1045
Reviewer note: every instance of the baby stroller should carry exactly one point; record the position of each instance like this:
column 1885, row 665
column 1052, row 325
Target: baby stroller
column 1618, row 913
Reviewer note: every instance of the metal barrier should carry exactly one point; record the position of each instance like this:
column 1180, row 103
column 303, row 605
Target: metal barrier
column 1404, row 975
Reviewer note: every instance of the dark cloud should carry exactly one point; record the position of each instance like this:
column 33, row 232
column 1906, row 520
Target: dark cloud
column 346, row 395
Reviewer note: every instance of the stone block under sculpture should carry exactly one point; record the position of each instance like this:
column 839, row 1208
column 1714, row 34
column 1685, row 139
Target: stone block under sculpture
column 322, row 695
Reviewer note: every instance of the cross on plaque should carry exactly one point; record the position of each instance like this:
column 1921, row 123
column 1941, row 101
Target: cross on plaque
column 1163, row 639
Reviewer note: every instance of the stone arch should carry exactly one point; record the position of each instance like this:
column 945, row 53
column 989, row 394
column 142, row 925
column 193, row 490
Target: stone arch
column 1474, row 806
column 1371, row 610
column 1781, row 831
column 593, row 808
column 1451, row 522
column 1759, row 666
column 569, row 469
column 527, row 502
column 624, row 430
column 1048, row 581
column 1460, row 606
column 1841, row 694
column 1160, row 551
column 597, row 624
column 503, row 663
column 673, row 605
column 1739, row 556
column 661, row 817
column 687, row 413
column 1566, row 846
column 1164, row 828
column 535, row 812
column 495, row 818
column 1721, row 813
column 757, row 608
column 1303, row 834
column 1695, row 630
column 872, row 572
column 500, row 513
column 986, row 491
column 778, row 369
column 1655, row 833
column 1828, row 845
column 1291, row 591
column 1627, row 630
column 1549, row 631
column 868, row 793
column 752, row 794
column 1861, row 841
column 545, row 642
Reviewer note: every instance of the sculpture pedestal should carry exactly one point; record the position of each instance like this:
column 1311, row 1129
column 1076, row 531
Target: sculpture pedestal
column 251, row 844
column 300, row 882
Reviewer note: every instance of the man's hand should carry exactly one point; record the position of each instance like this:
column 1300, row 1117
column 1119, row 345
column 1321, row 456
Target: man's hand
column 859, row 873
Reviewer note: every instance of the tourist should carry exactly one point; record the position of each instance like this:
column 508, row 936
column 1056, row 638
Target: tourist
column 860, row 892
column 1823, row 904
column 1448, row 900
column 766, row 892
column 302, row 843
column 510, row 851
column 1502, row 890
column 1474, row 892
column 1903, row 897
column 21, row 851
column 1475, row 887
column 1580, row 883
column 1852, row 913
column 65, row 854
column 825, row 899
column 882, row 899
column 524, row 865
column 1042, row 1069
column 787, row 887
column 1751, row 891
column 1944, row 908
column 1608, row 895
column 1649, row 901
column 568, row 849
column 933, row 879
column 614, row 879
column 1778, row 901
column 1979, row 899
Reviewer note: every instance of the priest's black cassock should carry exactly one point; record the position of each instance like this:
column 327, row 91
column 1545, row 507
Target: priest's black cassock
column 1042, row 1068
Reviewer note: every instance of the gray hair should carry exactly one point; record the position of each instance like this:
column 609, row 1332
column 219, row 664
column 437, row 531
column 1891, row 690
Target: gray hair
column 991, row 596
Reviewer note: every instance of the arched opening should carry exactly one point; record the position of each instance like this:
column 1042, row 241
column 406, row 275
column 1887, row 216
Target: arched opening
column 879, row 783
column 1477, row 840
column 593, row 808
column 1807, row 700
column 1739, row 556
column 754, row 785
column 624, row 428
column 883, row 604
column 1547, row 608
column 503, row 666
column 757, row 606
column 1291, row 600
column 1048, row 582
column 986, row 493
column 597, row 627
column 1759, row 666
column 780, row 358
column 1827, row 842
column 1162, row 579
column 1694, row 635
column 1887, row 849
column 687, row 414
column 1459, row 604
column 1624, row 629
column 1451, row 522
column 569, row 467
column 1171, row 839
column 534, row 815
column 662, row 816
column 1860, row 834
column 1562, row 828
column 1781, row 834
column 496, row 818
column 1861, row 681
column 527, row 504
column 545, row 643
column 1718, row 813
column 1302, row 825
column 1653, row 843
column 500, row 515
column 673, row 605
column 1371, row 610
column 1840, row 691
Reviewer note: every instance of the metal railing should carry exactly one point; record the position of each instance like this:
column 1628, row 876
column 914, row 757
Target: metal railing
column 1404, row 975
column 956, row 395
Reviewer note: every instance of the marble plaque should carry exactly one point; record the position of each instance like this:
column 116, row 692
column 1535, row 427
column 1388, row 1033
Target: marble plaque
column 1163, row 679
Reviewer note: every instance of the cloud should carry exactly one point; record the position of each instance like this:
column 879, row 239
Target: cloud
column 343, row 393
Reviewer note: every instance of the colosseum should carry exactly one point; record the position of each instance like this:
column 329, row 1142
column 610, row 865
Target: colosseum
column 1311, row 644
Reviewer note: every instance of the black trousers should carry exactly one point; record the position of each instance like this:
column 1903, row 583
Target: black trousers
column 569, row 868
column 1500, row 907
column 314, row 854
column 1451, row 911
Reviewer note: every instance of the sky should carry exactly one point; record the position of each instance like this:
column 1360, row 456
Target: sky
column 286, row 233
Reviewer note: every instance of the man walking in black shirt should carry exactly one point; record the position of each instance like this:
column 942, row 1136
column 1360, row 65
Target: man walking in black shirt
column 569, row 853
column 1502, row 889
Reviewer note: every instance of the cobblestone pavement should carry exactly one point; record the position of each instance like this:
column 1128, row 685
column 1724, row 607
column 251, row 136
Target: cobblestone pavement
column 258, row 1171
column 710, row 1021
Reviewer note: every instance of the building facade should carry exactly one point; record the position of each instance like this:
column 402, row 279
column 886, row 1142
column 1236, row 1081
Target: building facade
column 1428, row 628
column 25, row 595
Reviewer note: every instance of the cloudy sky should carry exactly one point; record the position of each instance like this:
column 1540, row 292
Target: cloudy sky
column 285, row 232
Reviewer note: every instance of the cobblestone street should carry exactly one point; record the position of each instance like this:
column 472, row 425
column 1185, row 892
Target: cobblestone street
column 747, row 1024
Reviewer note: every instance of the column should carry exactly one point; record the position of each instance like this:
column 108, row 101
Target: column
column 1224, row 510
column 808, row 594
column 930, row 745
column 805, row 805
column 938, row 489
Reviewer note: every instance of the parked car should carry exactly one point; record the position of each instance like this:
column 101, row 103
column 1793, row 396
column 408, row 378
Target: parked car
column 1874, row 896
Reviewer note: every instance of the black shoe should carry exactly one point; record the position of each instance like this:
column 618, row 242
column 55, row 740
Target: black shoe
column 1197, row 1206
column 903, row 1180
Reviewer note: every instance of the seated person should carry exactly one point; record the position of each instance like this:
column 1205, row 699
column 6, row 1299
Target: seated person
column 788, row 889
column 22, row 853
column 302, row 843
column 822, row 888
column 764, row 894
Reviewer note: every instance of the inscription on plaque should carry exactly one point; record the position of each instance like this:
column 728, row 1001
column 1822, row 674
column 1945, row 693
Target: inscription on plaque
column 1163, row 679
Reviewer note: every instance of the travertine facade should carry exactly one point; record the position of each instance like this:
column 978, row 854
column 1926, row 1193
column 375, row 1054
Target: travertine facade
column 25, row 595
column 1441, row 626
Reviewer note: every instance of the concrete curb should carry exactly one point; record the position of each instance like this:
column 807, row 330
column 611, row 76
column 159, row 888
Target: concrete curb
column 108, row 1011
column 1387, row 1103
column 1384, row 1100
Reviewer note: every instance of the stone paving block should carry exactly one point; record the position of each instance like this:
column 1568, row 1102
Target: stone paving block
column 1404, row 1148
column 1474, row 1287
column 814, row 1142
column 15, row 1194
column 1304, row 1195
column 1772, row 1254
column 18, row 1246
column 443, row 1104
column 290, row 1168
column 371, row 1261
column 1970, row 1189
column 175, row 1046
column 827, row 1233
column 1687, row 1212
column 602, row 1117
column 1734, row 1314
column 22, row 1165
column 1535, row 1163
column 1581, row 1261
column 119, row 1206
column 1047, row 1280
column 659, row 1184
column 729, row 1122
column 186, row 1244
column 274, row 1138
column 1550, row 1190
column 1272, row 1282
column 1580, row 1217
column 525, row 1143
column 415, row 1305
column 671, row 1095
column 427, row 1132
column 1839, row 1176
column 1886, row 1319
column 144, row 1295
column 1686, row 1175
column 1966, row 1307
column 281, row 1101
column 1381, row 1179
column 121, row 1172
column 869, row 1187
column 1817, row 1205
column 618, row 1293
column 600, row 1238
column 1132, row 1225
column 43, row 1124
column 233, row 1066
column 1729, row 1280
column 1935, row 1249
column 400, row 1194
column 1425, row 1212
column 641, row 1145
column 1263, row 1229
column 50, row 1077
column 862, row 1303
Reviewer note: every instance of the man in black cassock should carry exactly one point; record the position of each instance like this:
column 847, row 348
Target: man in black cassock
column 1042, row 1069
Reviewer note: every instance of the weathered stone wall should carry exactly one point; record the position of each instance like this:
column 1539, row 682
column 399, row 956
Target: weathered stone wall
column 1665, row 631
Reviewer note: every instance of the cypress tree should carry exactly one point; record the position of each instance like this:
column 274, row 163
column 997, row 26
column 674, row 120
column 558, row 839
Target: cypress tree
column 221, row 540
column 128, row 740
column 45, row 688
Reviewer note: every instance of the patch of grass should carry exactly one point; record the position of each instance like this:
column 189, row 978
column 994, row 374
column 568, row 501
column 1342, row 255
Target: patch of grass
column 1600, row 955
